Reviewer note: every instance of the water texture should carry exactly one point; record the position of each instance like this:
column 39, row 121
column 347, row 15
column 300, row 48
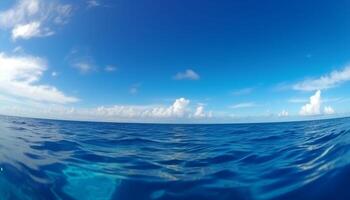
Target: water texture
column 48, row 159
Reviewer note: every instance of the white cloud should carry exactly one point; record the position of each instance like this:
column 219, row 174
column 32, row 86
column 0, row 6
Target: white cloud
column 64, row 12
column 110, row 68
column 243, row 105
column 179, row 110
column 189, row 74
column 19, row 77
column 200, row 113
column 18, row 49
column 313, row 107
column 81, row 59
column 134, row 89
column 83, row 66
column 283, row 113
column 93, row 3
column 30, row 30
column 243, row 91
column 34, row 18
column 325, row 82
column 328, row 110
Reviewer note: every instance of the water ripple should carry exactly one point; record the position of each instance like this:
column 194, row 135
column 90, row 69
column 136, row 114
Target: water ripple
column 48, row 159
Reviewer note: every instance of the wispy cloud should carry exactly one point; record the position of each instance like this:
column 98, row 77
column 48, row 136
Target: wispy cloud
column 83, row 66
column 110, row 68
column 330, row 80
column 189, row 74
column 18, row 49
column 93, row 3
column 134, row 89
column 244, row 105
column 30, row 30
column 81, row 60
column 34, row 18
column 19, row 77
column 243, row 91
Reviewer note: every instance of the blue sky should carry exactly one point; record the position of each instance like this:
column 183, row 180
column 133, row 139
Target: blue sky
column 175, row 61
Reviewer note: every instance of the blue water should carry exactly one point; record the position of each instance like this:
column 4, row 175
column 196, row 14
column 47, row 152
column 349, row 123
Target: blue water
column 47, row 159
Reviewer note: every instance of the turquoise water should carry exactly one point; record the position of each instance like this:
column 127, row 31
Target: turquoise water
column 48, row 159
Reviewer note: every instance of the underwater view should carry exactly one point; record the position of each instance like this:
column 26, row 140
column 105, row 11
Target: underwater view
column 48, row 159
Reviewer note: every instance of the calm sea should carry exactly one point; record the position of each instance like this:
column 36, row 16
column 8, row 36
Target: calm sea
column 48, row 159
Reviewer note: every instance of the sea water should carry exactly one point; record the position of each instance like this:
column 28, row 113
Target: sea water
column 49, row 159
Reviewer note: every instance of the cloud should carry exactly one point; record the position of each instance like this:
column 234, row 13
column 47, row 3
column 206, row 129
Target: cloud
column 189, row 74
column 81, row 59
column 19, row 77
column 328, row 110
column 331, row 80
column 244, row 91
column 34, row 18
column 179, row 110
column 110, row 68
column 18, row 49
column 134, row 89
column 83, row 66
column 283, row 113
column 93, row 3
column 30, row 30
column 243, row 105
column 200, row 113
column 313, row 107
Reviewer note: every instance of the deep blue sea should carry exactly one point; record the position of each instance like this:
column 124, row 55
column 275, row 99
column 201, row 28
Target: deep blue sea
column 48, row 159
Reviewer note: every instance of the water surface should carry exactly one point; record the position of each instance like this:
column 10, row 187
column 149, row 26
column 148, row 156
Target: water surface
column 48, row 159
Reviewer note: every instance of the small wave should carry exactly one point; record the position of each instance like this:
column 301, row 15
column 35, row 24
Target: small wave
column 48, row 159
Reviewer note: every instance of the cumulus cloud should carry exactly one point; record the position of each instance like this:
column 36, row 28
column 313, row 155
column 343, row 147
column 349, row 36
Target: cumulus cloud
column 283, row 113
column 328, row 110
column 200, row 113
column 189, row 74
column 179, row 110
column 314, row 106
column 19, row 77
column 324, row 82
column 34, row 18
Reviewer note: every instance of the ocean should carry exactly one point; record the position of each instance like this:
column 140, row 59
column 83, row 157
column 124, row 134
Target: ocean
column 51, row 159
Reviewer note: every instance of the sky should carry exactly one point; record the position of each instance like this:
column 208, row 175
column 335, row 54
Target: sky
column 193, row 61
